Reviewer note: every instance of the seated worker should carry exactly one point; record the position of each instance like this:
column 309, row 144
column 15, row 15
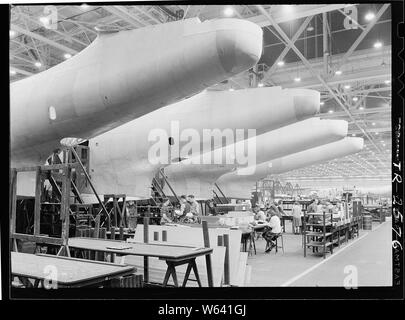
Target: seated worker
column 185, row 208
column 280, row 208
column 164, row 211
column 259, row 214
column 194, row 207
column 272, row 210
column 274, row 229
column 211, row 208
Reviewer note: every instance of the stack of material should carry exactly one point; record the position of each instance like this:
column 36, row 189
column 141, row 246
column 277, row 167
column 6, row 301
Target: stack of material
column 229, row 268
column 236, row 218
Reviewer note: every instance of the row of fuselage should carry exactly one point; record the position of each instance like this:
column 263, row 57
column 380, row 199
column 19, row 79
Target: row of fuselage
column 287, row 136
column 95, row 94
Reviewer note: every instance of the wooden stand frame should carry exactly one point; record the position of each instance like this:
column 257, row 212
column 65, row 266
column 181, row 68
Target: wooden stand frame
column 115, row 210
column 42, row 174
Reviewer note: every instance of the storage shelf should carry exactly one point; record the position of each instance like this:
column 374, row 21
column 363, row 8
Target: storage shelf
column 321, row 228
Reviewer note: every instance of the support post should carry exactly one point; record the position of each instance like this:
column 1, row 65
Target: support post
column 325, row 43
column 208, row 256
column 146, row 240
column 37, row 207
column 65, row 205
column 13, row 200
column 226, row 269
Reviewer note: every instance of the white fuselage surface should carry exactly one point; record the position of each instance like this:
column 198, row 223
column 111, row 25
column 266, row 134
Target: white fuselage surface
column 122, row 76
column 238, row 184
column 121, row 160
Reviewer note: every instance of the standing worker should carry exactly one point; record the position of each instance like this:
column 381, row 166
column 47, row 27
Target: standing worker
column 296, row 213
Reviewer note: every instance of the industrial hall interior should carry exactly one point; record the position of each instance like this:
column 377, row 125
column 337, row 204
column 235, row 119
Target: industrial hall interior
column 200, row 146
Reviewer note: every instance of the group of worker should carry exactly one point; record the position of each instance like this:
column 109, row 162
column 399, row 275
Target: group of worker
column 188, row 211
column 269, row 218
column 318, row 206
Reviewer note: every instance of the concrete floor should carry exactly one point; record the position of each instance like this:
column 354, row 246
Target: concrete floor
column 366, row 259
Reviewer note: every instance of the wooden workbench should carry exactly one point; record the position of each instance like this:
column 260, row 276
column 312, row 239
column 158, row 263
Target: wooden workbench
column 70, row 272
column 173, row 255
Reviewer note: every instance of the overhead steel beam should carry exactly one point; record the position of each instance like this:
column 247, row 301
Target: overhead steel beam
column 363, row 91
column 150, row 16
column 379, row 74
column 43, row 39
column 331, row 34
column 354, row 113
column 287, row 48
column 65, row 35
column 374, row 130
column 350, row 18
column 123, row 14
column 125, row 11
column 365, row 54
column 300, row 12
column 317, row 75
column 21, row 71
column 363, row 34
column 362, row 130
column 325, row 48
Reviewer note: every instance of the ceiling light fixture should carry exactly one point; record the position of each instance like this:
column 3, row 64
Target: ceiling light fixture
column 387, row 81
column 84, row 6
column 38, row 64
column 67, row 55
column 355, row 99
column 13, row 72
column 330, row 111
column 44, row 20
column 322, row 103
column 12, row 34
column 369, row 16
column 280, row 63
column 361, row 108
column 310, row 28
column 338, row 72
column 260, row 84
column 373, row 123
column 297, row 79
column 228, row 12
column 378, row 44
column 231, row 89
column 347, row 86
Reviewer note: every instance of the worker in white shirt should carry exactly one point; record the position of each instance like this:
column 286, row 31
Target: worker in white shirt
column 259, row 214
column 275, row 230
column 194, row 207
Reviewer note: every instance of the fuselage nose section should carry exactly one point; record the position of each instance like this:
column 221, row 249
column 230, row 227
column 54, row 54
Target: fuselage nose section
column 239, row 44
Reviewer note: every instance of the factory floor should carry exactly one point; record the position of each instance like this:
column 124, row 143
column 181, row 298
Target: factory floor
column 367, row 258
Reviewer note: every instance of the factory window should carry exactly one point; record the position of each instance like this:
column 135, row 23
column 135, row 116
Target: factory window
column 52, row 113
column 171, row 141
